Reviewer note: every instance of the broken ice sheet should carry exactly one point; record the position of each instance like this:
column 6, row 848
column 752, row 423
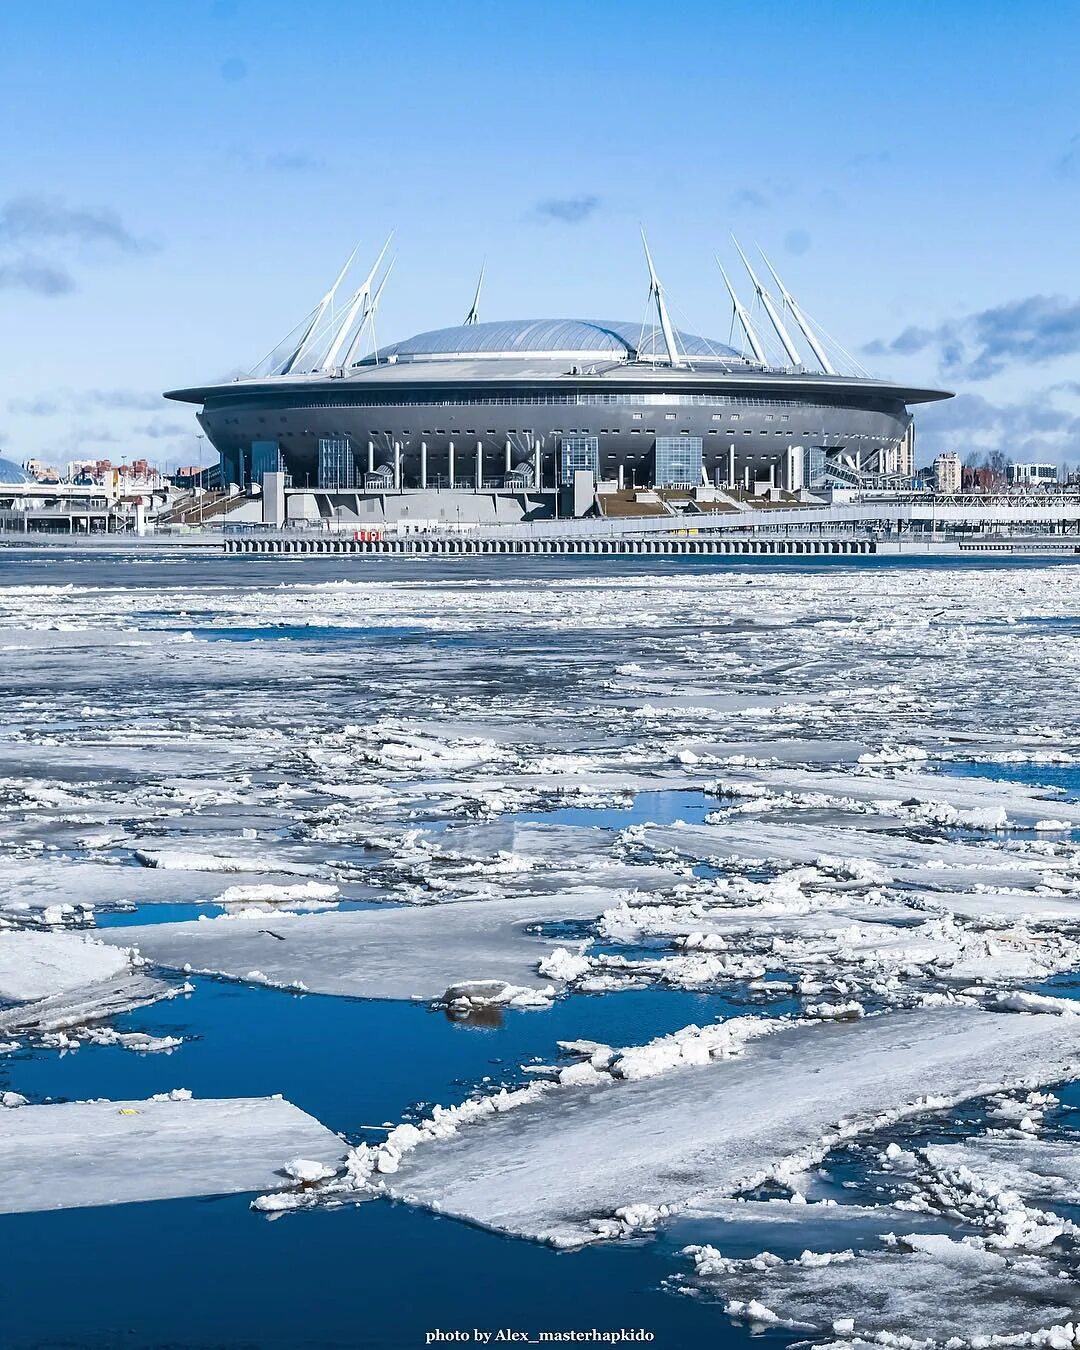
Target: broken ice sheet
column 56, row 981
column 75, row 1154
column 28, row 888
column 508, row 857
column 745, row 1228
column 933, row 798
column 1040, row 1171
column 881, row 857
column 390, row 952
column 665, row 672
column 928, row 1286
column 37, row 965
column 562, row 1167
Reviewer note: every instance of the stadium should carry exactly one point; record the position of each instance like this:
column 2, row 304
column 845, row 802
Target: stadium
column 532, row 407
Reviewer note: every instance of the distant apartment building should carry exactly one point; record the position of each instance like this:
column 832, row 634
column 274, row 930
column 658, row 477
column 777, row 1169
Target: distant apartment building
column 1031, row 475
column 44, row 473
column 905, row 454
column 948, row 472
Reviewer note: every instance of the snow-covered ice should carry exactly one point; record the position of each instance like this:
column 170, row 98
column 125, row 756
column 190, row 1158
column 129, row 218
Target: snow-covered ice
column 76, row 1154
column 39, row 965
column 391, row 952
column 928, row 1286
column 791, row 1094
column 824, row 860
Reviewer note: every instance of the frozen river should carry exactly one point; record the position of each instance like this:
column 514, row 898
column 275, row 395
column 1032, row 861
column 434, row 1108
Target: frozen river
column 393, row 947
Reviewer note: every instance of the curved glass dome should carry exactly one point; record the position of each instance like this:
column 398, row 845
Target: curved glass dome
column 11, row 473
column 612, row 339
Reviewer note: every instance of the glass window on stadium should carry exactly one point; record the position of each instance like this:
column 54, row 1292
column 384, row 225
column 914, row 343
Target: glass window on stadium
column 336, row 466
column 579, row 452
column 813, row 474
column 265, row 458
column 678, row 461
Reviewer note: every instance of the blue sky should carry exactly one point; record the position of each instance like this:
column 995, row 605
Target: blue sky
column 180, row 181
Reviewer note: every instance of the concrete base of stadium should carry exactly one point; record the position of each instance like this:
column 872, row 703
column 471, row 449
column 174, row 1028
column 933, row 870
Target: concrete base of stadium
column 443, row 508
column 419, row 508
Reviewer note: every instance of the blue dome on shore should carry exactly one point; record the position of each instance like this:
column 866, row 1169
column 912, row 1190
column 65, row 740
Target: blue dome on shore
column 11, row 473
column 513, row 337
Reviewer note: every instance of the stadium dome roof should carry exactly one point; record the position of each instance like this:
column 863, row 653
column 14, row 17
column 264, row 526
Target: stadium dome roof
column 11, row 473
column 513, row 337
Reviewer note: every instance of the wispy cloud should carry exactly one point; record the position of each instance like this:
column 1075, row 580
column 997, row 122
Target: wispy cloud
column 1036, row 427
column 31, row 274
column 135, row 399
column 1031, row 331
column 294, row 161
column 81, row 435
column 80, row 400
column 566, row 210
column 750, row 199
column 282, row 161
column 158, row 430
column 38, row 234
column 34, row 407
column 36, row 219
column 1068, row 162
column 869, row 159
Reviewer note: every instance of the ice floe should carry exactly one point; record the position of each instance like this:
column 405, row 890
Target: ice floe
column 40, row 965
column 76, row 1154
column 898, row 912
column 390, row 952
column 927, row 1287
column 790, row 1097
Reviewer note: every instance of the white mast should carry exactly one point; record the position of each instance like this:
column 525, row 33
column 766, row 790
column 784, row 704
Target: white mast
column 473, row 315
column 656, row 292
column 800, row 319
column 369, row 313
column 770, row 309
column 324, row 305
column 744, row 319
column 358, row 302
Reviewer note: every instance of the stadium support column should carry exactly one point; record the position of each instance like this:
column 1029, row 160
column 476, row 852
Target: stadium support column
column 397, row 466
column 371, row 456
column 538, row 467
column 450, row 462
column 423, row 464
column 509, row 458
column 622, row 477
column 794, row 468
column 273, row 500
column 731, row 466
column 479, row 466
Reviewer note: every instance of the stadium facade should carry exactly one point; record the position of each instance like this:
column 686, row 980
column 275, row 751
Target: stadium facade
column 531, row 405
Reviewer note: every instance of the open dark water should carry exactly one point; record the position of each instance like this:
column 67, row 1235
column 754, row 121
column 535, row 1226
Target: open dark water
column 211, row 1272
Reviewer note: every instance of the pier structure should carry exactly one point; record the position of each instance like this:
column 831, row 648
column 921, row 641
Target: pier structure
column 871, row 525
